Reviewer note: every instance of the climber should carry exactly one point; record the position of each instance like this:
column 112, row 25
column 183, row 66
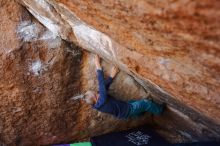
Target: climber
column 105, row 103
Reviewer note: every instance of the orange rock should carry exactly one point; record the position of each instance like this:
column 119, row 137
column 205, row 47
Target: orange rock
column 39, row 74
column 171, row 48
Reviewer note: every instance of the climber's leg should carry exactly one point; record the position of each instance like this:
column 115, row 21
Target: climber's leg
column 131, row 101
column 134, row 113
column 140, row 106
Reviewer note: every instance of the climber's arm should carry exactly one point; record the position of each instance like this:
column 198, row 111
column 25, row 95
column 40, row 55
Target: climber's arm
column 109, row 80
column 101, row 83
column 102, row 88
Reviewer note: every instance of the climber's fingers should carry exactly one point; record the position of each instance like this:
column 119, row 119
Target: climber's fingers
column 97, row 62
column 114, row 71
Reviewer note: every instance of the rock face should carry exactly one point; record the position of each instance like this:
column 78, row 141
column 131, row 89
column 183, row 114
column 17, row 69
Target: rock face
column 171, row 48
column 39, row 75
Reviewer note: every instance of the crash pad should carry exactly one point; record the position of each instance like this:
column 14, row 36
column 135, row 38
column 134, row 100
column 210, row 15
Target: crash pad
column 76, row 144
column 82, row 144
column 141, row 136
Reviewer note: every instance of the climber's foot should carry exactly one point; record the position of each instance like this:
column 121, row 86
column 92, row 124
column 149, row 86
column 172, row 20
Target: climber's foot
column 148, row 96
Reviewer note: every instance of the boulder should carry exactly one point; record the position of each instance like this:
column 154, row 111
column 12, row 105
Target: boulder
column 171, row 48
column 168, row 49
column 40, row 75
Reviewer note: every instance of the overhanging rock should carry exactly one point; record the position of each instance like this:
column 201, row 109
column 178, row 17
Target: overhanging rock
column 170, row 48
column 39, row 74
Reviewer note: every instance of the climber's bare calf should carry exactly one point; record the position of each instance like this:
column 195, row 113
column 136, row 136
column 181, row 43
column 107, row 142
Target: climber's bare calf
column 108, row 104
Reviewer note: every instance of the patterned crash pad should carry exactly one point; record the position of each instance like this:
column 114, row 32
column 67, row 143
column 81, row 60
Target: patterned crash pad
column 141, row 136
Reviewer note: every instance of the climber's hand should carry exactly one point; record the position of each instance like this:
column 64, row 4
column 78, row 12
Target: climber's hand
column 97, row 62
column 114, row 72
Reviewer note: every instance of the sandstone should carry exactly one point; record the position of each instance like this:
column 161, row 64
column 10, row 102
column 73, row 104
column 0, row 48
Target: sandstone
column 170, row 48
column 40, row 73
column 34, row 105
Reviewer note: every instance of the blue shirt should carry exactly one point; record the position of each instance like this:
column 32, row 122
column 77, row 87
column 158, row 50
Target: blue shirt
column 107, row 103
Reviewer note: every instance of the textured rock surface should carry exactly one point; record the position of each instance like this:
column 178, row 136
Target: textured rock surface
column 39, row 74
column 37, row 77
column 170, row 48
